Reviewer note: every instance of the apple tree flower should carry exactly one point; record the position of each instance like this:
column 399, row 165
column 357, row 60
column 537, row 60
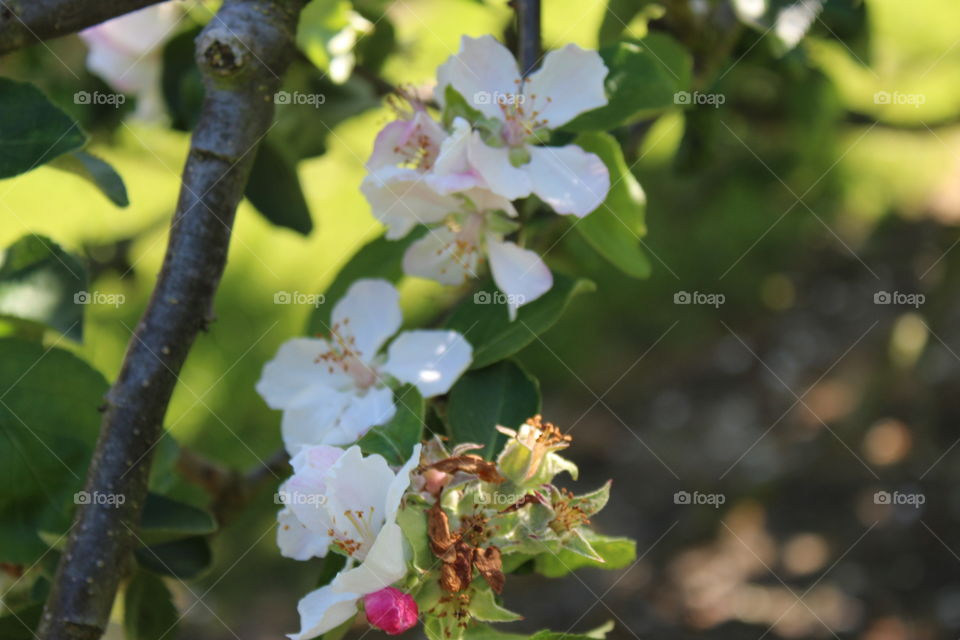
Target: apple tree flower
column 506, row 147
column 343, row 502
column 126, row 53
column 333, row 389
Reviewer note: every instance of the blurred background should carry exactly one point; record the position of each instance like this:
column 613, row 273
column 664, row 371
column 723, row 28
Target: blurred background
column 777, row 404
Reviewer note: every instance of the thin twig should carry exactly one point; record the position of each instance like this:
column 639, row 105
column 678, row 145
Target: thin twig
column 242, row 53
column 528, row 34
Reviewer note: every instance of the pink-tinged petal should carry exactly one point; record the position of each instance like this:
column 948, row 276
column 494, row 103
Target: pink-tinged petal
column 293, row 370
column 322, row 610
column 519, row 273
column 481, row 70
column 493, row 165
column 405, row 141
column 296, row 541
column 437, row 256
column 568, row 178
column 569, row 83
column 452, row 171
column 486, row 200
column 366, row 316
column 391, row 610
column 358, row 484
column 431, row 360
column 403, row 198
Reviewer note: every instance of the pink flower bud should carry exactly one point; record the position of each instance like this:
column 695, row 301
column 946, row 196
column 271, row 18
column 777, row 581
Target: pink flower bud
column 390, row 610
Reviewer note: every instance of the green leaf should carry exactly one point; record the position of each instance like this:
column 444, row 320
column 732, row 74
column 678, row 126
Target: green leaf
column 42, row 283
column 396, row 439
column 181, row 81
column 501, row 394
column 98, row 172
column 148, row 609
column 274, row 189
column 486, row 632
column 645, row 75
column 165, row 519
column 379, row 258
column 484, row 607
column 412, row 519
column 617, row 553
column 483, row 320
column 591, row 503
column 456, row 106
column 49, row 421
column 185, row 559
column 615, row 227
column 163, row 471
column 19, row 624
column 320, row 21
column 33, row 130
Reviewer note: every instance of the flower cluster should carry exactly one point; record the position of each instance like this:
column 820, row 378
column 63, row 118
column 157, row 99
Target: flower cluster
column 458, row 175
column 436, row 538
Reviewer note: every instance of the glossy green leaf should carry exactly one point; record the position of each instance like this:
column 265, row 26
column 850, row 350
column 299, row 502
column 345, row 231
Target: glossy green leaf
column 617, row 553
column 33, row 130
column 501, row 394
column 643, row 80
column 49, row 421
column 615, row 227
column 483, row 320
column 274, row 190
column 96, row 171
column 165, row 519
column 42, row 283
column 395, row 440
column 148, row 609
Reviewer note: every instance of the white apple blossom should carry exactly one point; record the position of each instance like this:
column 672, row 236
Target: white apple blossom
column 333, row 390
column 126, row 53
column 510, row 158
column 344, row 501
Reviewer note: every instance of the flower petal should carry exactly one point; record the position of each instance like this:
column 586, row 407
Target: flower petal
column 296, row 541
column 358, row 485
column 438, row 256
column 295, row 369
column 569, row 83
column 366, row 316
column 482, row 68
column 519, row 273
column 385, row 564
column 322, row 610
column 400, row 484
column 493, row 165
column 403, row 141
column 328, row 416
column 403, row 198
column 431, row 360
column 568, row 178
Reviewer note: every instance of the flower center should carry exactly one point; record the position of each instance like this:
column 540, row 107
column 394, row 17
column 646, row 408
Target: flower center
column 355, row 536
column 520, row 115
column 344, row 356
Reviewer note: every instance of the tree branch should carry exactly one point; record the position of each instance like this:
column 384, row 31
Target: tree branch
column 241, row 53
column 25, row 22
column 528, row 34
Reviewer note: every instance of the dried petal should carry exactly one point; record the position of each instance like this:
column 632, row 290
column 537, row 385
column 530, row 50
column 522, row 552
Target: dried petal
column 490, row 566
column 472, row 464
